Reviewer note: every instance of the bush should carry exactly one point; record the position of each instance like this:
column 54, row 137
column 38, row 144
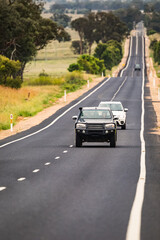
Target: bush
column 44, row 80
column 8, row 72
column 153, row 44
column 73, row 81
column 74, row 67
column 90, row 64
column 13, row 83
column 150, row 31
column 156, row 53
column 43, row 74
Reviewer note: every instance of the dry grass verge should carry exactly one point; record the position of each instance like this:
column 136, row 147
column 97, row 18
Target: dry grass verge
column 153, row 84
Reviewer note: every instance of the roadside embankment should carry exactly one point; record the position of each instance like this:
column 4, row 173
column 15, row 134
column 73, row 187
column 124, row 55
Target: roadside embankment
column 153, row 84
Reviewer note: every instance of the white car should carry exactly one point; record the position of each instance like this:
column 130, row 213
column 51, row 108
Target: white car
column 118, row 111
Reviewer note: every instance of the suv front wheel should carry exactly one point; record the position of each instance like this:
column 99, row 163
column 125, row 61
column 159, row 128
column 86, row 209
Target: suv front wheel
column 113, row 141
column 78, row 140
column 123, row 126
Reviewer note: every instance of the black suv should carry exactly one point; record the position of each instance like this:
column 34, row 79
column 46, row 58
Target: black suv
column 95, row 124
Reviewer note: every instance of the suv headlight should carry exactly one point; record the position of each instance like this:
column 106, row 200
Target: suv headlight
column 80, row 126
column 109, row 126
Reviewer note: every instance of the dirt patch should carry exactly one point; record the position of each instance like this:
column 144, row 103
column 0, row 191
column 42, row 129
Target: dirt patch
column 26, row 123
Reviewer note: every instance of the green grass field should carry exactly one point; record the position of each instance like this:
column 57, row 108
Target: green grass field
column 54, row 59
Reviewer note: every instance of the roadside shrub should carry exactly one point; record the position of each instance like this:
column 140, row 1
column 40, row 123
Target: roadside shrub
column 43, row 81
column 8, row 72
column 73, row 81
column 153, row 44
column 156, row 53
column 74, row 67
column 43, row 74
column 13, row 83
column 150, row 31
column 90, row 64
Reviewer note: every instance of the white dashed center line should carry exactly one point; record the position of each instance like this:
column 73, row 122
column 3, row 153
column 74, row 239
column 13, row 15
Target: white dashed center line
column 2, row 188
column 21, row 179
column 47, row 163
column 57, row 157
column 65, row 151
column 36, row 170
column 71, row 146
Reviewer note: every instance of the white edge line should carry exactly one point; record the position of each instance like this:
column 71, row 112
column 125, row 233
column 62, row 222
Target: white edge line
column 55, row 120
column 134, row 225
column 21, row 179
column 47, row 163
column 65, row 151
column 128, row 59
column 136, row 43
column 36, row 170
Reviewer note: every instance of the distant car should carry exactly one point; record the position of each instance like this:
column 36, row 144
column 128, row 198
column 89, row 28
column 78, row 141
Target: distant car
column 117, row 110
column 137, row 67
column 95, row 124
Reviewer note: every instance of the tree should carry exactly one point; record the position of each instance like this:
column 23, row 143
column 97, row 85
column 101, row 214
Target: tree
column 129, row 16
column 61, row 19
column 75, row 46
column 57, row 8
column 109, row 26
column 110, row 52
column 99, row 27
column 148, row 7
column 24, row 30
column 79, row 25
column 90, row 30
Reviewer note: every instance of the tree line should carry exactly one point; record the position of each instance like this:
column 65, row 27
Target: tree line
column 98, row 27
column 106, row 56
column 95, row 5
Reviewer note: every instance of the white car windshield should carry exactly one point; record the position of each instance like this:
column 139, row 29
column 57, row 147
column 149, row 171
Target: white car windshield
column 112, row 106
column 95, row 114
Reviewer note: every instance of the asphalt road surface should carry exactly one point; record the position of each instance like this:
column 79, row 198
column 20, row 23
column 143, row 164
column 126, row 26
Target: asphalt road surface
column 51, row 190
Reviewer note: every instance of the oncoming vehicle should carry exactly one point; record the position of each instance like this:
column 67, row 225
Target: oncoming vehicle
column 95, row 124
column 137, row 67
column 118, row 111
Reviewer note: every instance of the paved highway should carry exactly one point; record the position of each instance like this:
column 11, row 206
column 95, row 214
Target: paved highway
column 50, row 190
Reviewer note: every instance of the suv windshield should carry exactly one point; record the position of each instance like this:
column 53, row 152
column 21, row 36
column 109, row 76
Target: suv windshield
column 112, row 106
column 95, row 114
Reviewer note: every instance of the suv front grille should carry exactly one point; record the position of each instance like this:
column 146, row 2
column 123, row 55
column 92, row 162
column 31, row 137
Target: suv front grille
column 95, row 126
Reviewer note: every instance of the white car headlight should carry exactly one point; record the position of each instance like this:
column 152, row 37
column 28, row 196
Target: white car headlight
column 81, row 126
column 109, row 126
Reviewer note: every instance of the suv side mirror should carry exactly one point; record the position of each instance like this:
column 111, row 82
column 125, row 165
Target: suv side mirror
column 126, row 109
column 74, row 118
